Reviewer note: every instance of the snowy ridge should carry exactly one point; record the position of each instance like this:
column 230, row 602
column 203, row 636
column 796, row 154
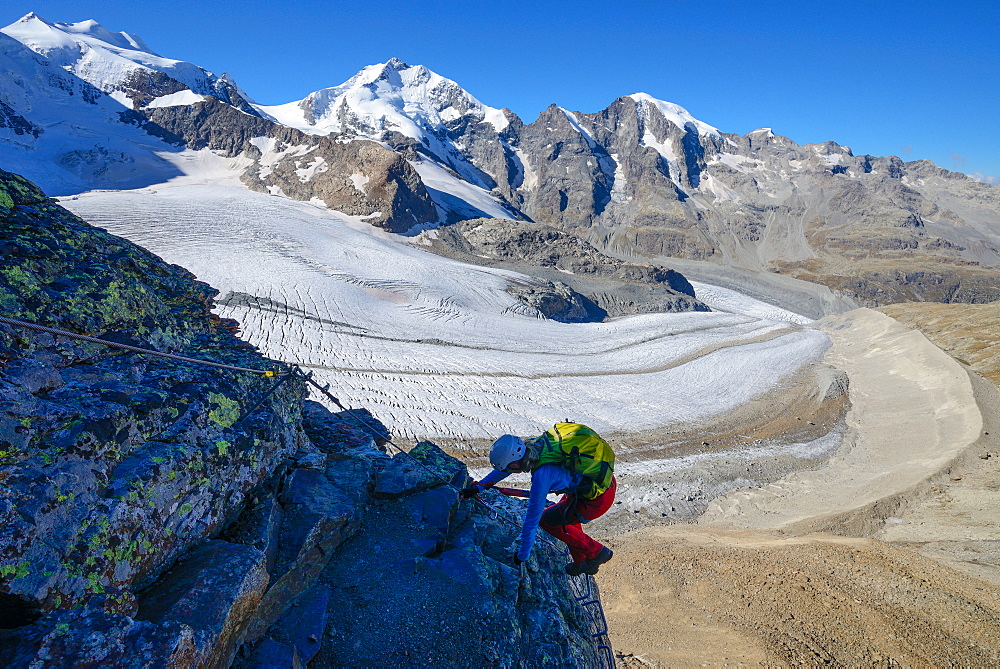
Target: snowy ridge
column 94, row 31
column 79, row 141
column 394, row 97
column 100, row 57
column 676, row 114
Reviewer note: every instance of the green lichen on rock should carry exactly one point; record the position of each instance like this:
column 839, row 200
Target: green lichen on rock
column 16, row 190
column 16, row 571
column 225, row 411
column 64, row 273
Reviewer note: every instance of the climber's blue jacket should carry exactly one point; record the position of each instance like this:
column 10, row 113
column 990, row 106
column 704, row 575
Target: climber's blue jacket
column 545, row 479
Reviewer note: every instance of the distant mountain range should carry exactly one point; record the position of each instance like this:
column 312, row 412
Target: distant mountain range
column 82, row 107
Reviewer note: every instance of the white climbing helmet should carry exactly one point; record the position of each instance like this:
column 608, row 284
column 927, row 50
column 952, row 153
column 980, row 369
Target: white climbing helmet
column 507, row 449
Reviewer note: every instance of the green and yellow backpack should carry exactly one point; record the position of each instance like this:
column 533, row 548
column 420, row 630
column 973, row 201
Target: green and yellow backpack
column 581, row 450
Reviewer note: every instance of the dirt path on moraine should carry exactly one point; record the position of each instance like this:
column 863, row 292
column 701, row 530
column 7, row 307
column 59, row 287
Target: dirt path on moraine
column 885, row 555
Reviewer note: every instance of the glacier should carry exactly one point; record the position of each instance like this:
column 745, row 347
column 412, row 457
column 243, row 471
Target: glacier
column 435, row 347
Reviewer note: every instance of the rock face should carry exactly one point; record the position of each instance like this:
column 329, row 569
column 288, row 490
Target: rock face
column 115, row 464
column 642, row 177
column 154, row 515
column 576, row 281
column 456, row 597
column 359, row 178
column 20, row 125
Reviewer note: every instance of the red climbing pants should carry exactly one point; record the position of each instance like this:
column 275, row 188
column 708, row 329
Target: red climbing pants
column 563, row 521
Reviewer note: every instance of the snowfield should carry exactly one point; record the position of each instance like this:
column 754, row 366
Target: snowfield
column 436, row 347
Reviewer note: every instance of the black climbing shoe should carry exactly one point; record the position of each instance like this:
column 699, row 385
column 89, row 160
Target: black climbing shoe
column 593, row 564
column 574, row 569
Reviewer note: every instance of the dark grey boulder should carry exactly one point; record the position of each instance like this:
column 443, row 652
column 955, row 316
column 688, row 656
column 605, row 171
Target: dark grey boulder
column 215, row 590
column 419, row 469
column 92, row 638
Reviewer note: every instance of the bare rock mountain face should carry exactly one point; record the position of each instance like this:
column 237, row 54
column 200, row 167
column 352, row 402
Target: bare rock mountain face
column 643, row 178
column 359, row 178
column 164, row 513
column 578, row 282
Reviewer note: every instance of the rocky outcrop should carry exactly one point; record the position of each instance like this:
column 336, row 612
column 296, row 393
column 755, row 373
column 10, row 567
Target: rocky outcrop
column 114, row 464
column 142, row 86
column 575, row 281
column 20, row 125
column 556, row 301
column 447, row 593
column 359, row 178
column 163, row 513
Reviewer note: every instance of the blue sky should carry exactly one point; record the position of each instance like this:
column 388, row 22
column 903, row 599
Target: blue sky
column 916, row 79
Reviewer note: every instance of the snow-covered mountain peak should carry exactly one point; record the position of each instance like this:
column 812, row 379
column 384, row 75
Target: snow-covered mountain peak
column 116, row 63
column 393, row 71
column 95, row 30
column 386, row 97
column 674, row 113
column 44, row 37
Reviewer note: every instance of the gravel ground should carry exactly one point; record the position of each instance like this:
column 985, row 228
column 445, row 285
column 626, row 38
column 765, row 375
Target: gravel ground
column 687, row 596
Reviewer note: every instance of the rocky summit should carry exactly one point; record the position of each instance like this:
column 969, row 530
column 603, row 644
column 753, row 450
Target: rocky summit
column 158, row 512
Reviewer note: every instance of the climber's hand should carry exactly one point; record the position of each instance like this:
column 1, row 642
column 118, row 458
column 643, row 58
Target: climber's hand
column 471, row 491
column 517, row 560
